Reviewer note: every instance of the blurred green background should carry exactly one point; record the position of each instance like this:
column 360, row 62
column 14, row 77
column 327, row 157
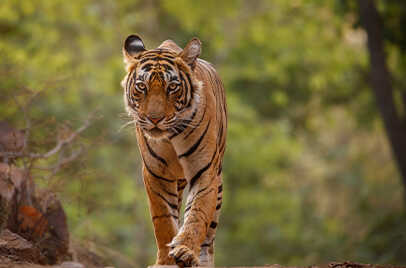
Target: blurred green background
column 309, row 175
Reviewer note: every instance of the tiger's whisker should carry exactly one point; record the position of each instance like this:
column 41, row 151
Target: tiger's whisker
column 127, row 124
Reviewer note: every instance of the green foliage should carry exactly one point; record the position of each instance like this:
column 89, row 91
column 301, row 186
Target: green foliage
column 308, row 175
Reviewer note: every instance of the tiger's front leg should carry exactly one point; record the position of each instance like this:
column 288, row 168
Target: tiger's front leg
column 199, row 213
column 162, row 178
column 164, row 213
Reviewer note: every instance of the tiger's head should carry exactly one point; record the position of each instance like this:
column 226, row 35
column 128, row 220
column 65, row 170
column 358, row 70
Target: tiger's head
column 161, row 91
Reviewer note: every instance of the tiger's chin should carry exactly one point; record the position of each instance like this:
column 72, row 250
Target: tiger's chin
column 156, row 133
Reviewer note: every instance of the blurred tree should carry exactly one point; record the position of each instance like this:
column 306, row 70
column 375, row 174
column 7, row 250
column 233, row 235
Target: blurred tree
column 381, row 80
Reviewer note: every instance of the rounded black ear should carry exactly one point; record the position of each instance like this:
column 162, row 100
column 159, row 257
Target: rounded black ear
column 133, row 45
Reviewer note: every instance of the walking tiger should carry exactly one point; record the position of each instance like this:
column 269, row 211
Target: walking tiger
column 177, row 102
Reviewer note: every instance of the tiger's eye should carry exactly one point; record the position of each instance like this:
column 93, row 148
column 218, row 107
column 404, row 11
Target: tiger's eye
column 140, row 87
column 173, row 87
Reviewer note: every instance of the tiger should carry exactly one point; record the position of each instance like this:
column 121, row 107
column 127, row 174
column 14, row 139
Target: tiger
column 177, row 102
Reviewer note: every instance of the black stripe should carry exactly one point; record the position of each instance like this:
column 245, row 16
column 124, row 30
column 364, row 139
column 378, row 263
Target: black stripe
column 147, row 67
column 167, row 54
column 194, row 147
column 223, row 144
column 188, row 208
column 151, row 52
column 193, row 115
column 158, row 52
column 169, row 193
column 128, row 84
column 173, row 206
column 143, row 60
column 213, row 224
column 183, row 77
column 168, row 68
column 156, row 176
column 220, row 169
column 160, row 159
column 161, row 75
column 201, row 190
column 192, row 89
column 165, row 216
column 201, row 171
column 198, row 124
column 205, row 245
column 220, row 188
column 218, row 206
column 188, row 79
column 187, row 96
column 180, row 188
column 178, row 260
column 179, row 132
column 221, row 132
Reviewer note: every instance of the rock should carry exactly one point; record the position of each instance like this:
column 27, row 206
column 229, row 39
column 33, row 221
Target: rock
column 14, row 245
column 54, row 243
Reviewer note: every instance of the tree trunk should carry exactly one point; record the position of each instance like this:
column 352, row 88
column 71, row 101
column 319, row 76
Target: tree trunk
column 381, row 84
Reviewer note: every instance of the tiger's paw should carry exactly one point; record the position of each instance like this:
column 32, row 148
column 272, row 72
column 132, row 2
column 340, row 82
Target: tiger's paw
column 184, row 257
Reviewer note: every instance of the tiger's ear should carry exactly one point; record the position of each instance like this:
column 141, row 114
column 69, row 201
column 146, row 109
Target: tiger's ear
column 191, row 52
column 133, row 46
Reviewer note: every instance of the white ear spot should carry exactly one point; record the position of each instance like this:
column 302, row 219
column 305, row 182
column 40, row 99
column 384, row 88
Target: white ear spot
column 133, row 46
column 191, row 51
column 194, row 49
column 136, row 43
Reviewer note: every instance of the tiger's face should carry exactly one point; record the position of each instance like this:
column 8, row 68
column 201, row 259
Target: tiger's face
column 159, row 87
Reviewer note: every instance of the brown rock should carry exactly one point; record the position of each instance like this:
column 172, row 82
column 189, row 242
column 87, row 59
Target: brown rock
column 55, row 241
column 13, row 245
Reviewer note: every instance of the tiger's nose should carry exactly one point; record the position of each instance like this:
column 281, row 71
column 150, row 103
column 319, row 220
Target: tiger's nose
column 156, row 118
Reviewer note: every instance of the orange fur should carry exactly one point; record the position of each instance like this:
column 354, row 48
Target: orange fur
column 178, row 104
